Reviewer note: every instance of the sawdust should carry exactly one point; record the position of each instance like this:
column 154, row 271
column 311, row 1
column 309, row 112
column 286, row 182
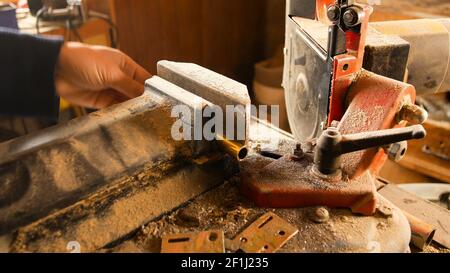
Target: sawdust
column 226, row 209
column 434, row 248
column 221, row 209
column 51, row 234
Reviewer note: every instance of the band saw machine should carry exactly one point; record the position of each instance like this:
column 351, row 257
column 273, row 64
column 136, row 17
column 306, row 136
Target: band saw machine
column 349, row 107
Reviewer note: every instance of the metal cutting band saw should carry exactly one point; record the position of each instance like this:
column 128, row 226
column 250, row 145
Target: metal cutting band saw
column 99, row 178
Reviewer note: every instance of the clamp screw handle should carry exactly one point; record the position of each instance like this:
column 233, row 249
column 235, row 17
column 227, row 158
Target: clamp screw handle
column 332, row 144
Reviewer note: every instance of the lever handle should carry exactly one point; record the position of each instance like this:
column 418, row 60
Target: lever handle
column 362, row 141
column 332, row 145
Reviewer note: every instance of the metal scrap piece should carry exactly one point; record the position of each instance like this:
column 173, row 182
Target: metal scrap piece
column 266, row 235
column 203, row 242
column 424, row 210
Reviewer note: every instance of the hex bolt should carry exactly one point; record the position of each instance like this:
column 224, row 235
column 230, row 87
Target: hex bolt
column 333, row 13
column 413, row 114
column 352, row 17
column 320, row 215
column 298, row 151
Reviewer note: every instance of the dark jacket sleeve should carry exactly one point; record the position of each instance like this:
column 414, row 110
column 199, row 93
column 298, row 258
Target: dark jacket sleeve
column 27, row 67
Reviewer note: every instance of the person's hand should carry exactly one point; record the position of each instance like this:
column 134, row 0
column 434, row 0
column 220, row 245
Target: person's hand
column 97, row 77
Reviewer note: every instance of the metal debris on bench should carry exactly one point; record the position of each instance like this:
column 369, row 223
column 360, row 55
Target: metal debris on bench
column 266, row 235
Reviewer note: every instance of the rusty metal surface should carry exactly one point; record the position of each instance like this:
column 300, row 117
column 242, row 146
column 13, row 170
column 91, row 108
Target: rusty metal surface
column 203, row 242
column 373, row 103
column 291, row 183
column 422, row 209
column 266, row 235
column 346, row 66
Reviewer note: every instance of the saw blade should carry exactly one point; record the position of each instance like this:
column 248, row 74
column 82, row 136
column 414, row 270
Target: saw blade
column 307, row 89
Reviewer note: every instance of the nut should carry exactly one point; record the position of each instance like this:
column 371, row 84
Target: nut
column 397, row 151
column 298, row 151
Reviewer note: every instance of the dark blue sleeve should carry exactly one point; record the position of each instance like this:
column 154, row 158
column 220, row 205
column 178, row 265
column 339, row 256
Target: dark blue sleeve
column 27, row 68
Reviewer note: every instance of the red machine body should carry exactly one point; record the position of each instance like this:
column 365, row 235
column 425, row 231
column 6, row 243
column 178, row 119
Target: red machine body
column 360, row 101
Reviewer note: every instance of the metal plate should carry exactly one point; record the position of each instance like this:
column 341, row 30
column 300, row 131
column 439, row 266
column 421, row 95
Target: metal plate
column 266, row 235
column 203, row 242
column 307, row 84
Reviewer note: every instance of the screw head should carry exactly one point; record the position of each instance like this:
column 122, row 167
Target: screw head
column 333, row 13
column 351, row 17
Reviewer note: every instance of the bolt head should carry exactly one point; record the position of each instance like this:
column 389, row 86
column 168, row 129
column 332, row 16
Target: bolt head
column 350, row 17
column 333, row 13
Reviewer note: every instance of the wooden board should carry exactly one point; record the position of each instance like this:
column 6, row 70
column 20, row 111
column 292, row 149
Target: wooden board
column 398, row 174
column 438, row 141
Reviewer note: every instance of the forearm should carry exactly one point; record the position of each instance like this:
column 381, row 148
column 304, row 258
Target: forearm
column 27, row 70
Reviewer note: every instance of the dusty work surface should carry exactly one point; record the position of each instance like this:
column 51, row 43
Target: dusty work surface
column 224, row 208
column 221, row 209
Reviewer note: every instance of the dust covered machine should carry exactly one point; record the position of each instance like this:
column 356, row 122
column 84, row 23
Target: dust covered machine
column 97, row 179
